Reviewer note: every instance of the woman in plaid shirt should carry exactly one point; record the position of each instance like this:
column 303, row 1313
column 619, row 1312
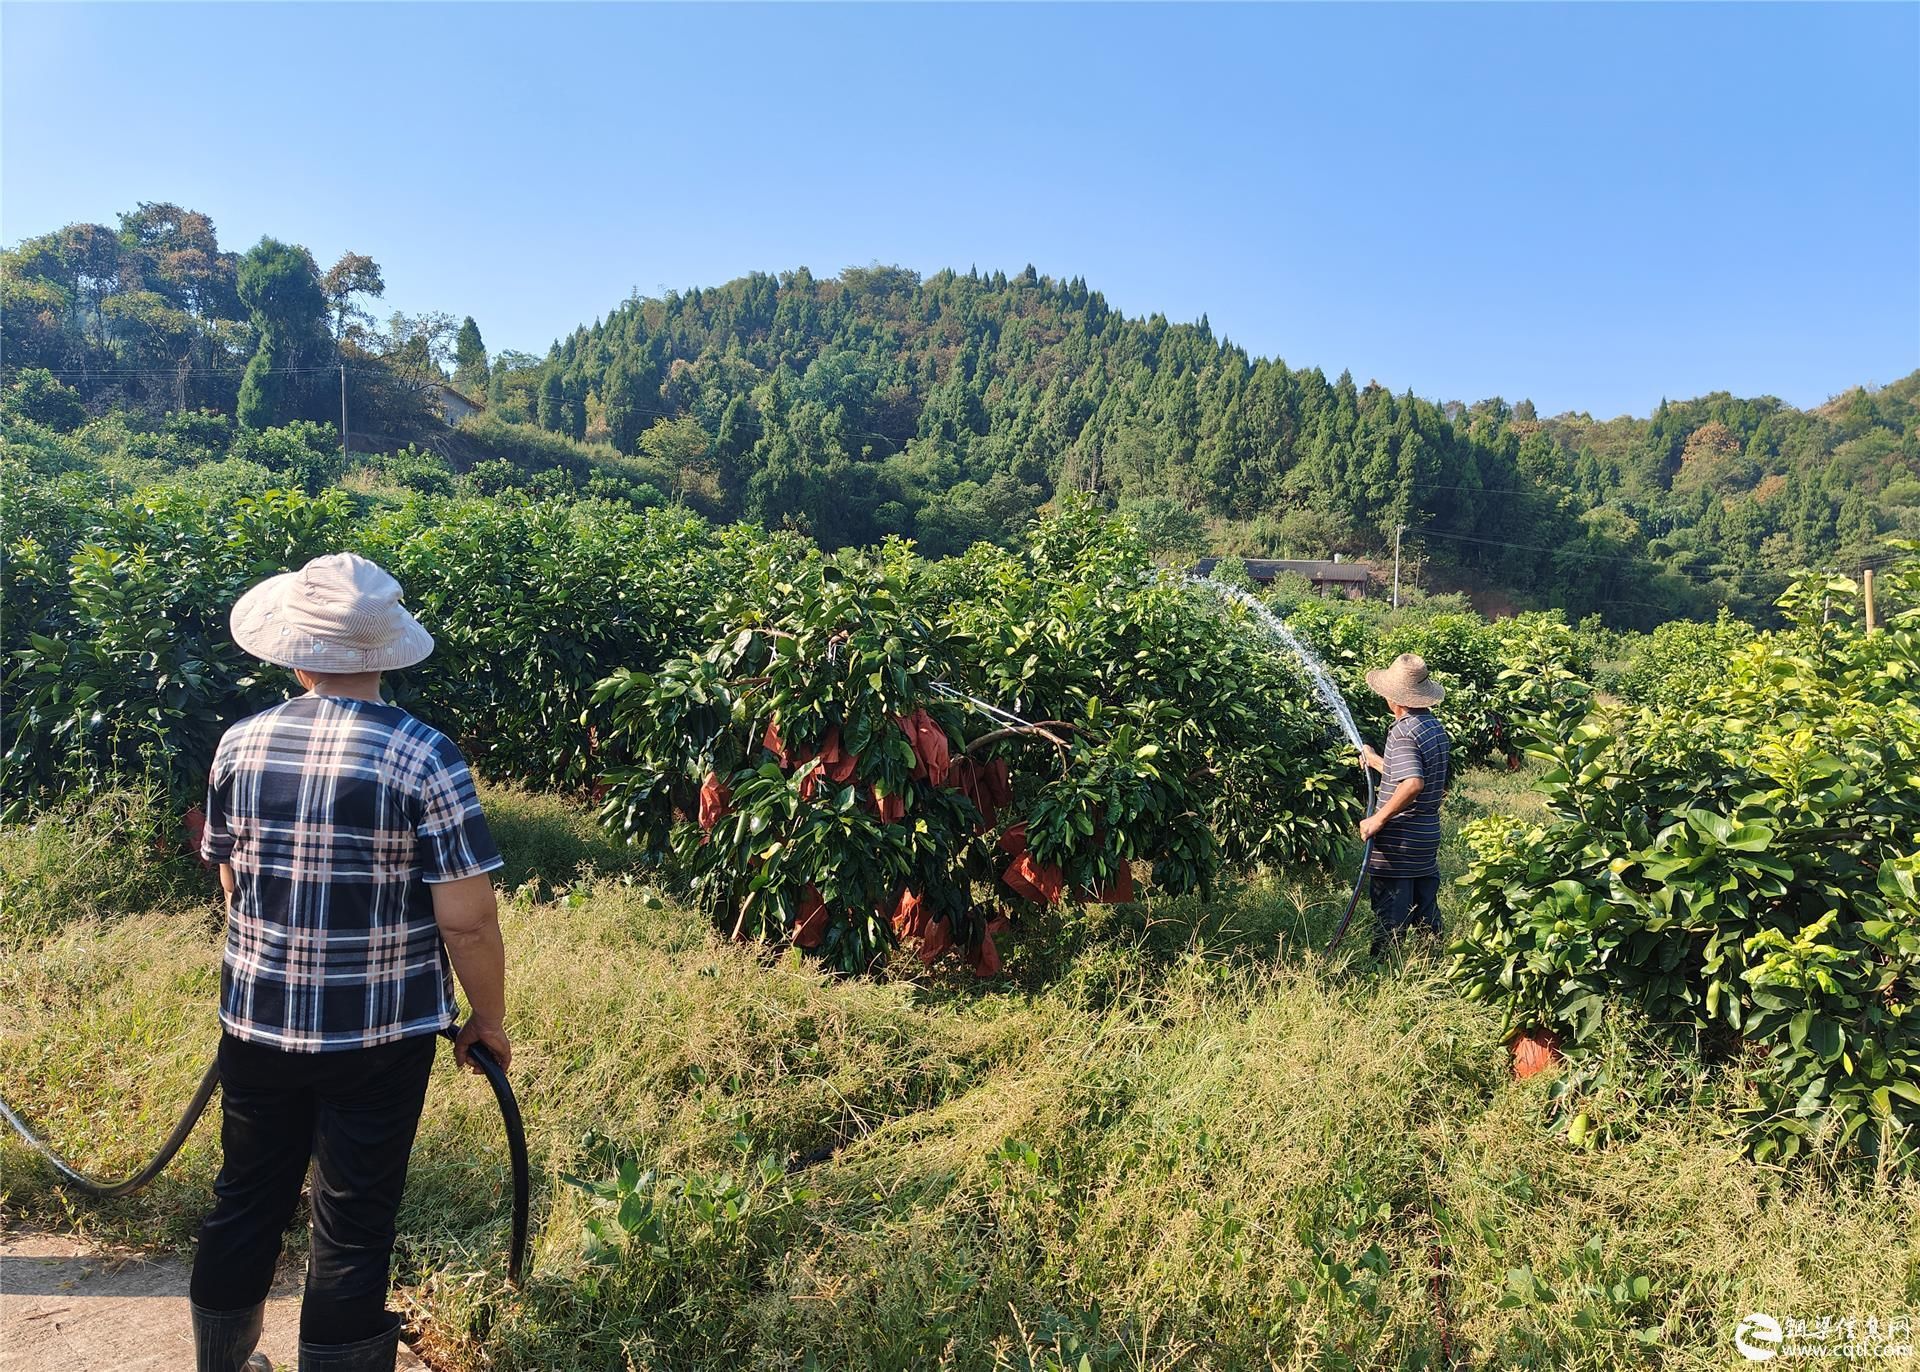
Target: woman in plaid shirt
column 355, row 860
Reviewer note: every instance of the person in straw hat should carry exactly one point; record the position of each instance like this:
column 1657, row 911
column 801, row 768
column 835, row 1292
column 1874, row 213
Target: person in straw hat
column 355, row 861
column 1404, row 863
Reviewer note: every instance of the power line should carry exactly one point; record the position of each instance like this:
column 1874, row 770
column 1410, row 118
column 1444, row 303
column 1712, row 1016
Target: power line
column 1647, row 562
column 171, row 372
column 1494, row 490
column 1528, row 547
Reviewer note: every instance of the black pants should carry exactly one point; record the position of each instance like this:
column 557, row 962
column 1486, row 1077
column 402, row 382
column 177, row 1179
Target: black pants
column 353, row 1113
column 1401, row 903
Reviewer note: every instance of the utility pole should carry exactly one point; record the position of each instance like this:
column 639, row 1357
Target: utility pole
column 343, row 411
column 1866, row 590
column 1398, row 530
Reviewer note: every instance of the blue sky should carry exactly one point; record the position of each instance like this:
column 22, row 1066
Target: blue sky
column 1592, row 206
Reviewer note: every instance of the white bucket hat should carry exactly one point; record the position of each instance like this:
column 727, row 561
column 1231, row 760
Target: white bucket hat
column 339, row 613
column 1407, row 683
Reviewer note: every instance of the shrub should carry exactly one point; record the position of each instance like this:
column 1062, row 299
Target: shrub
column 415, row 470
column 1288, row 590
column 1507, row 681
column 822, row 772
column 36, row 394
column 1232, row 571
column 1678, row 662
column 119, row 659
column 529, row 450
column 304, row 454
column 208, row 431
column 227, row 481
column 120, row 663
column 1462, row 653
column 1738, row 864
column 1544, row 683
column 530, row 604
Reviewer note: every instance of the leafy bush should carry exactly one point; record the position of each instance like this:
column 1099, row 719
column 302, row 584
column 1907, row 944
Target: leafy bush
column 207, row 430
column 1737, row 864
column 119, row 663
column 1544, row 684
column 1462, row 653
column 36, row 394
column 1508, row 681
column 507, row 456
column 424, row 472
column 1677, row 662
column 495, row 476
column 530, row 604
column 306, row 455
column 229, row 480
column 1232, row 571
column 825, row 771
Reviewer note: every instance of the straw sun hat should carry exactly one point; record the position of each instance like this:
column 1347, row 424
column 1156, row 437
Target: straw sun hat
column 1406, row 683
column 339, row 613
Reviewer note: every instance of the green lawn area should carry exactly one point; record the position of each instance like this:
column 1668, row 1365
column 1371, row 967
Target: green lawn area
column 1173, row 1135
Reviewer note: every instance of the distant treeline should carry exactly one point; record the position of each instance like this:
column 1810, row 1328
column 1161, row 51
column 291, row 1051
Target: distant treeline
column 153, row 316
column 948, row 409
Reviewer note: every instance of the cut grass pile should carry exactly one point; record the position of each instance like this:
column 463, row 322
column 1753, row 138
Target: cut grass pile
column 1174, row 1136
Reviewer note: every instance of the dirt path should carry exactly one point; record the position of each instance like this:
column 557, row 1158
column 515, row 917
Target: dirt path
column 66, row 1306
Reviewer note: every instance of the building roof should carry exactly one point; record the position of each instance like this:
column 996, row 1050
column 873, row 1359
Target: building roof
column 447, row 391
column 1314, row 569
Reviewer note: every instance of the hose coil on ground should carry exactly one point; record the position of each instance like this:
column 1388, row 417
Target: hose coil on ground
column 110, row 1190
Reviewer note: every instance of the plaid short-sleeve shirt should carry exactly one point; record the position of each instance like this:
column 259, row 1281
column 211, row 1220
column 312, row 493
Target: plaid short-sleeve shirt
column 336, row 815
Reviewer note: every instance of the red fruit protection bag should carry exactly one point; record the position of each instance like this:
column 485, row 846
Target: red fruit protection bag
column 716, row 799
column 1039, row 882
column 811, row 928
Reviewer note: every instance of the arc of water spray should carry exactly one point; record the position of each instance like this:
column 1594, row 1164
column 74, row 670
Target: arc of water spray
column 1317, row 674
column 1329, row 693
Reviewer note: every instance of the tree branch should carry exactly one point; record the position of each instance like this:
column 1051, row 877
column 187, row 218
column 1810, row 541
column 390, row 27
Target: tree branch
column 1044, row 730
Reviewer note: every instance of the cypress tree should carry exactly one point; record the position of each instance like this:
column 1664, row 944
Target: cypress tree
column 280, row 286
column 553, row 402
column 470, row 357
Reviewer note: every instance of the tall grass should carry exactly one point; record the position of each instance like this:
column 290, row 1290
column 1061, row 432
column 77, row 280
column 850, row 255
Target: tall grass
column 94, row 857
column 1176, row 1136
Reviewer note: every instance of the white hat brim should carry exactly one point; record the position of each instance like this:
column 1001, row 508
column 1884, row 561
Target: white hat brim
column 258, row 627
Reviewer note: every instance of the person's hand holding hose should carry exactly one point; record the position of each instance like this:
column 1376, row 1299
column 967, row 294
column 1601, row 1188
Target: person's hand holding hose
column 490, row 1035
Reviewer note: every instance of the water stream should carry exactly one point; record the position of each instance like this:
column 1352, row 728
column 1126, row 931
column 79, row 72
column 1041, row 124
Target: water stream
column 1317, row 674
column 1323, row 686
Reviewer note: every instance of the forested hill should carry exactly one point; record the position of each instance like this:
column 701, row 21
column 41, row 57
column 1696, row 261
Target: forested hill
column 949, row 408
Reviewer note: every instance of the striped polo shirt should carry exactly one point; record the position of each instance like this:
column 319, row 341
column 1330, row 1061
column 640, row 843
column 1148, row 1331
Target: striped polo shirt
column 1408, row 845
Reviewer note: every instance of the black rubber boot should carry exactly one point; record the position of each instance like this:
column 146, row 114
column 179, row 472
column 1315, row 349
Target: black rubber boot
column 369, row 1355
column 224, row 1340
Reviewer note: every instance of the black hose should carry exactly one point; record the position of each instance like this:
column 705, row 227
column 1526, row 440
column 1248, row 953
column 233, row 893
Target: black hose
column 108, row 1190
column 481, row 1057
column 203, row 1094
column 1366, row 852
